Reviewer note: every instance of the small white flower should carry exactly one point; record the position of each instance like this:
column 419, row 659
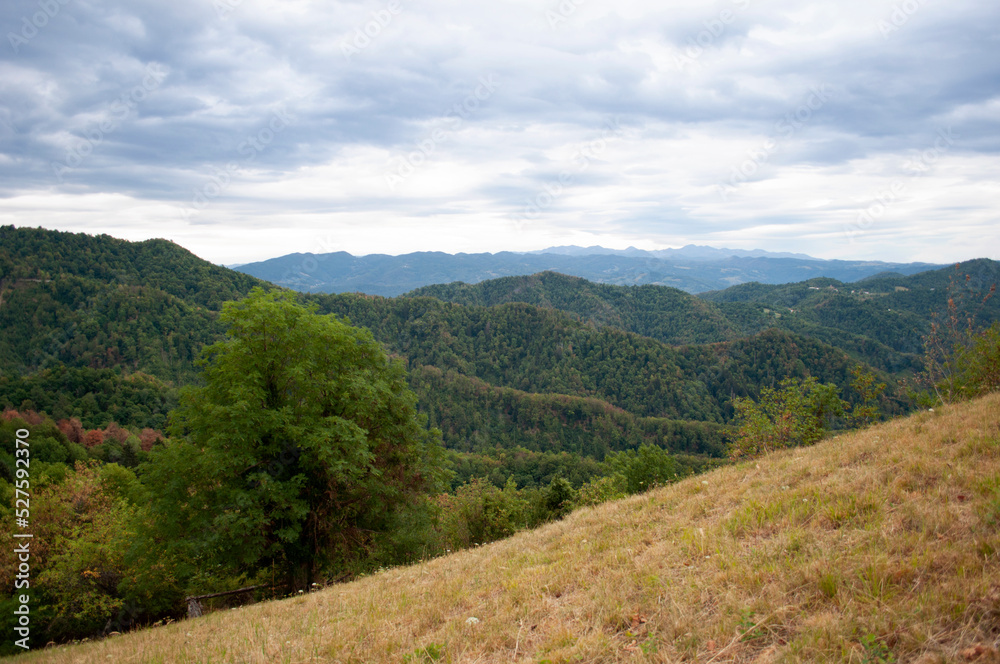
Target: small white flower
column 472, row 620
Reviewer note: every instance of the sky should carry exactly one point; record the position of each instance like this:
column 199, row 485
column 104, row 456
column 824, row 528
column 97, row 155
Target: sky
column 248, row 129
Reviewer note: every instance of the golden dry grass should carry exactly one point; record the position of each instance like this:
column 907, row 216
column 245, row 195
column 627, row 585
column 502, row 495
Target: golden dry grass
column 881, row 541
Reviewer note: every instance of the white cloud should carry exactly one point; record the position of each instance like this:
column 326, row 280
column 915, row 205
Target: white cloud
column 699, row 90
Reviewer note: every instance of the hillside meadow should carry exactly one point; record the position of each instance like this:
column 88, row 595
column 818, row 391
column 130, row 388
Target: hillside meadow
column 875, row 546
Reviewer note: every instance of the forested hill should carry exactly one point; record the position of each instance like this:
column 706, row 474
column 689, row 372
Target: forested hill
column 105, row 330
column 660, row 312
column 101, row 303
column 918, row 293
column 28, row 254
column 545, row 351
column 882, row 319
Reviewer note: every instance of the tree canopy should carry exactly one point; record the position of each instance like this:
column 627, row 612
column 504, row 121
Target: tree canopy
column 301, row 447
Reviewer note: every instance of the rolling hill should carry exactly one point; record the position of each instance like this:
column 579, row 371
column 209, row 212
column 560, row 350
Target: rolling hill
column 880, row 545
column 104, row 329
column 662, row 313
column 881, row 319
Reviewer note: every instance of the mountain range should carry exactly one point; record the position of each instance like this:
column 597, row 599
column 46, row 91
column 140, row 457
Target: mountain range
column 102, row 329
column 692, row 269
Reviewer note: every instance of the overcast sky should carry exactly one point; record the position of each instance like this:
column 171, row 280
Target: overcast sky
column 249, row 129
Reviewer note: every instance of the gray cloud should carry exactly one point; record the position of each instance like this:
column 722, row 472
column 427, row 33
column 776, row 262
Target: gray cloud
column 151, row 100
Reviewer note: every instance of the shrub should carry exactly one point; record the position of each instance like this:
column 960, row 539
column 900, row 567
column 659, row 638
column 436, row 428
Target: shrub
column 795, row 414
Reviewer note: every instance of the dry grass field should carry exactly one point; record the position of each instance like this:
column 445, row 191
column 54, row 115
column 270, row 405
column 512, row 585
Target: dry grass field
column 876, row 546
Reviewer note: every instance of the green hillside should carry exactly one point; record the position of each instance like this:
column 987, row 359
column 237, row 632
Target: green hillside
column 659, row 312
column 82, row 314
column 881, row 320
column 538, row 350
column 894, row 311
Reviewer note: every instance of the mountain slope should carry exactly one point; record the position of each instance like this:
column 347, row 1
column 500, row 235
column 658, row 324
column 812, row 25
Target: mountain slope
column 662, row 313
column 883, row 318
column 877, row 544
column 31, row 254
column 531, row 349
column 85, row 317
column 100, row 302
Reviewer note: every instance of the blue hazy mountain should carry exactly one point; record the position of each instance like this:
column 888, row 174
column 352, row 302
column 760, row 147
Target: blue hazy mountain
column 693, row 269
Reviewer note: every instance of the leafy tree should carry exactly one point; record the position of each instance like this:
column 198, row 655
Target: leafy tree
column 955, row 342
column 84, row 575
column 865, row 384
column 302, row 446
column 975, row 366
column 559, row 497
column 795, row 414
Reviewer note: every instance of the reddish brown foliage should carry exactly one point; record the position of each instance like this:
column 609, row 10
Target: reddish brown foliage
column 113, row 431
column 148, row 438
column 93, row 438
column 29, row 417
column 72, row 429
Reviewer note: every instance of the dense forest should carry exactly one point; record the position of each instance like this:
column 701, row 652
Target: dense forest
column 542, row 392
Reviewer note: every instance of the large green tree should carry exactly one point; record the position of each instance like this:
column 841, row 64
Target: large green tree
column 300, row 452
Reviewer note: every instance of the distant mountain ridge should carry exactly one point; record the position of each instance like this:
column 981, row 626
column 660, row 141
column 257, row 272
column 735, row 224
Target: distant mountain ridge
column 687, row 252
column 692, row 269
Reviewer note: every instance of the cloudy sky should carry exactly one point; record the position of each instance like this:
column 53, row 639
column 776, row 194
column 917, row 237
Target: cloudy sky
column 247, row 129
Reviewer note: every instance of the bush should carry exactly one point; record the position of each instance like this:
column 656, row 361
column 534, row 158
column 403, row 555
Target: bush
column 645, row 468
column 976, row 366
column 480, row 512
column 601, row 490
column 796, row 414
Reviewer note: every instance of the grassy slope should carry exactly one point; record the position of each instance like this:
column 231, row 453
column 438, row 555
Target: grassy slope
column 889, row 535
